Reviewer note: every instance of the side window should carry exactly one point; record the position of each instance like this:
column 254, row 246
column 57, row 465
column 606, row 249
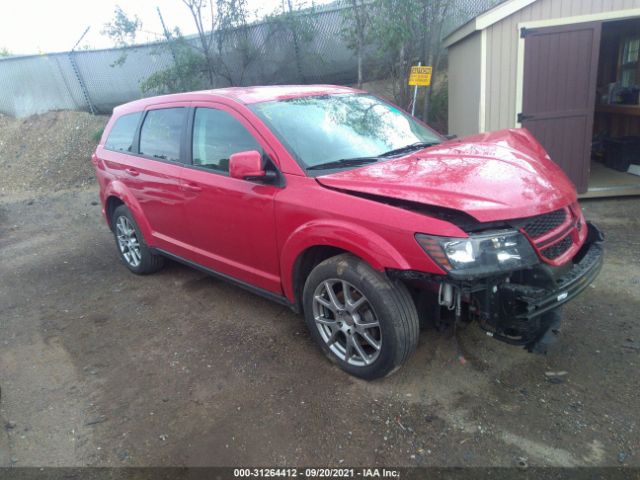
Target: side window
column 122, row 133
column 161, row 133
column 216, row 136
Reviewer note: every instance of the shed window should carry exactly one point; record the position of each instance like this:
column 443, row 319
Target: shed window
column 630, row 62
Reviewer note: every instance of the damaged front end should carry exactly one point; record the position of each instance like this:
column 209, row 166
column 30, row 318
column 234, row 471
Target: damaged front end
column 516, row 309
column 515, row 285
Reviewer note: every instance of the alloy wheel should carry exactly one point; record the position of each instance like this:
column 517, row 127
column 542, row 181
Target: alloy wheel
column 347, row 322
column 128, row 241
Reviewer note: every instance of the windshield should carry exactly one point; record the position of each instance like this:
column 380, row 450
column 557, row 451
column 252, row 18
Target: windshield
column 328, row 129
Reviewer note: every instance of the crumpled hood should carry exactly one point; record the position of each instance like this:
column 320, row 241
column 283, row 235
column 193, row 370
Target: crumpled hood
column 494, row 176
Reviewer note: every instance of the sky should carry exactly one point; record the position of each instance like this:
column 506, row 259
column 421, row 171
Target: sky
column 43, row 26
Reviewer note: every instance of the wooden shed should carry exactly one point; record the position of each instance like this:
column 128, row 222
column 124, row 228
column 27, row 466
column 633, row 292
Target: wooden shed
column 568, row 70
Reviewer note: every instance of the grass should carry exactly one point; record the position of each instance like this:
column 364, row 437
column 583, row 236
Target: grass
column 97, row 135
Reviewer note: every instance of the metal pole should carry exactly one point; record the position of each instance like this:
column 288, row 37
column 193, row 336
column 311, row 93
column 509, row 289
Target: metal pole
column 167, row 35
column 415, row 96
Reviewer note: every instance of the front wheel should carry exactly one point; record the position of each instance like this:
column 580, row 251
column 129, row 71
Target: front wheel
column 361, row 319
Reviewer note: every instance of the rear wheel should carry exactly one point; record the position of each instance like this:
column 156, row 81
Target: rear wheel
column 361, row 319
column 134, row 252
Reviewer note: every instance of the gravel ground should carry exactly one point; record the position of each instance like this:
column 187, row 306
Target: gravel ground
column 48, row 152
column 100, row 367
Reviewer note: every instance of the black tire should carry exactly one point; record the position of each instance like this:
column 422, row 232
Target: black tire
column 388, row 301
column 148, row 261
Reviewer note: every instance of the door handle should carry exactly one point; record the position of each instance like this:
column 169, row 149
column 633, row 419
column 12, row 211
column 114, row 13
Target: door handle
column 192, row 187
column 132, row 171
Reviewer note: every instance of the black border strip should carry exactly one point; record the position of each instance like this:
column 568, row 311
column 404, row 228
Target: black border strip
column 281, row 299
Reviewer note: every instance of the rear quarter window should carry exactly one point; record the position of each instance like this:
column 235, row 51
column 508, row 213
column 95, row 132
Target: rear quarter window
column 123, row 132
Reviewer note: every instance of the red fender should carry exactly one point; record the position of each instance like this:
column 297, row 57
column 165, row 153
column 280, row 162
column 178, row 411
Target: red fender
column 119, row 190
column 364, row 243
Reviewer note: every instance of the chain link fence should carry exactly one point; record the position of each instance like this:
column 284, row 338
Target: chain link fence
column 91, row 80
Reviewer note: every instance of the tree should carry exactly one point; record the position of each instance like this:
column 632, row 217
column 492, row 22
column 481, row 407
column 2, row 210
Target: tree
column 295, row 26
column 355, row 30
column 4, row 52
column 224, row 47
column 236, row 48
column 435, row 13
column 186, row 72
column 291, row 19
column 206, row 27
column 394, row 27
column 122, row 30
column 223, row 38
column 408, row 32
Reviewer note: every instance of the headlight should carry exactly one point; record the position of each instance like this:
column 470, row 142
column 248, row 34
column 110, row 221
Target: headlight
column 480, row 255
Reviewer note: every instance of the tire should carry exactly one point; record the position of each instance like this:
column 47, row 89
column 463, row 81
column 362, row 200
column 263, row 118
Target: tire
column 374, row 311
column 133, row 251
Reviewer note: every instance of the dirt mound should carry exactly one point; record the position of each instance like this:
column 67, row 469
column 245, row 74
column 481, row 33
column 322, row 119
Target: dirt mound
column 48, row 152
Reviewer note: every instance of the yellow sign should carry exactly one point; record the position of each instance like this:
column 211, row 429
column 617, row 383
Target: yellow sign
column 420, row 76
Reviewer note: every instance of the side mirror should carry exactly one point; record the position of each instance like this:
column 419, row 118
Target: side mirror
column 247, row 165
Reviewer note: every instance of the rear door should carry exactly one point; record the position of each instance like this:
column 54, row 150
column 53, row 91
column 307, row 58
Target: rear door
column 560, row 74
column 153, row 173
column 231, row 220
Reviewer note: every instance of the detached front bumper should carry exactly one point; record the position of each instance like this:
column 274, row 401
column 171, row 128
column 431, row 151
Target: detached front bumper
column 514, row 310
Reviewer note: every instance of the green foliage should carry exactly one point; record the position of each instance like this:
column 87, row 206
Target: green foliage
column 397, row 29
column 295, row 26
column 394, row 26
column 355, row 22
column 223, row 48
column 438, row 116
column 97, row 135
column 405, row 32
column 294, row 21
column 122, row 30
column 4, row 52
column 187, row 73
column 356, row 31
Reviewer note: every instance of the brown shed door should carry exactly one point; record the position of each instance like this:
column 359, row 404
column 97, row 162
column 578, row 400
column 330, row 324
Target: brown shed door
column 560, row 74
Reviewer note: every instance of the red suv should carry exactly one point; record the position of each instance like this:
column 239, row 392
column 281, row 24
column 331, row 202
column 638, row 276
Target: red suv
column 345, row 208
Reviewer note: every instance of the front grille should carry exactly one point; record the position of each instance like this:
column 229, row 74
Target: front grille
column 557, row 249
column 545, row 223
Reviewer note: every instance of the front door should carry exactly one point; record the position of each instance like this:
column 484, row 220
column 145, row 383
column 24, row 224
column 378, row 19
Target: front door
column 560, row 74
column 231, row 220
